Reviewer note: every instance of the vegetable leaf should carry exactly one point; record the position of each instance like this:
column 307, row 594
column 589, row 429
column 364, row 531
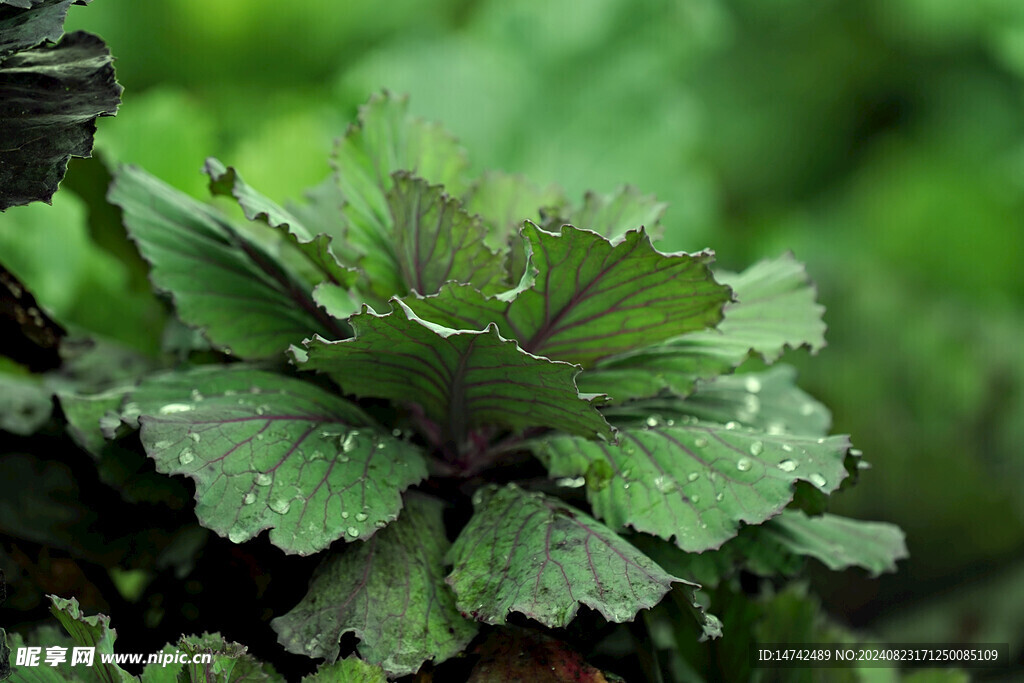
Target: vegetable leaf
column 838, row 542
column 463, row 379
column 52, row 96
column 533, row 554
column 615, row 213
column 695, row 482
column 272, row 452
column 91, row 631
column 27, row 23
column 590, row 298
column 244, row 300
column 317, row 249
column 230, row 663
column 436, row 240
column 775, row 308
column 349, row 670
column 521, row 655
column 389, row 592
column 504, row 201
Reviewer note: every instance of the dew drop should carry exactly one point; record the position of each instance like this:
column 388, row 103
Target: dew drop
column 743, row 464
column 380, row 524
column 261, row 410
column 571, row 482
column 186, row 456
column 316, row 455
column 380, row 446
column 344, row 514
column 361, row 516
column 349, row 442
column 695, row 499
column 343, row 458
column 787, row 465
column 652, row 421
column 751, row 403
column 171, row 408
column 700, row 442
column 731, row 424
column 263, row 479
column 752, row 384
column 259, row 437
column 626, row 473
column 237, row 535
column 719, row 496
column 756, row 448
column 703, row 525
column 670, row 422
column 664, row 484
column 822, row 440
column 776, row 428
column 353, row 532
column 396, row 432
column 195, row 436
column 160, row 445
column 693, row 476
column 313, row 644
column 786, row 447
column 196, row 396
column 626, row 485
column 818, row 480
column 249, row 499
column 280, row 505
column 856, row 452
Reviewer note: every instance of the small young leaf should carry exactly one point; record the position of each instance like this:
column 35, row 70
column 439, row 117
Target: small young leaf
column 229, row 663
column 316, row 248
column 839, row 542
column 271, row 452
column 463, row 379
column 348, row 670
column 245, row 301
column 695, row 482
column 389, row 592
column 52, row 96
column 533, row 554
column 590, row 298
column 775, row 308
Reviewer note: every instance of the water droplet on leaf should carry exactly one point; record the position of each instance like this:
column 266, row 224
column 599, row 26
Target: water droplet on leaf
column 756, row 448
column 743, row 464
column 361, row 516
column 353, row 532
column 280, row 505
column 172, row 408
column 263, row 479
column 818, row 480
column 787, row 465
column 700, row 442
column 186, row 456
column 752, row 384
column 249, row 499
column 195, row 436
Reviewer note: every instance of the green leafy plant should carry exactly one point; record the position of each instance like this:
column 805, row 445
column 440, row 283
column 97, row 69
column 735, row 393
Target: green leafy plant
column 507, row 422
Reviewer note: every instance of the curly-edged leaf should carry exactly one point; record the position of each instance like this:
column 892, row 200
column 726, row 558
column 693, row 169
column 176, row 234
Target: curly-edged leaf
column 229, row 663
column 226, row 181
column 615, row 213
column 93, row 419
column 463, row 379
column 272, row 452
column 533, row 554
column 385, row 139
column 95, row 632
column 27, row 23
column 775, row 308
column 389, row 592
column 521, row 655
column 769, row 401
column 838, row 542
column 504, row 201
column 436, row 240
column 245, row 301
column 348, row 670
column 590, row 298
column 695, row 482
column 50, row 98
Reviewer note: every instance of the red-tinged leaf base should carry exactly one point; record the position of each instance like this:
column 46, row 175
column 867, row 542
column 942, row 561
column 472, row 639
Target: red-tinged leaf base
column 510, row 656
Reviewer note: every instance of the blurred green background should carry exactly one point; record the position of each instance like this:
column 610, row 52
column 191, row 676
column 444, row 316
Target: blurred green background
column 882, row 141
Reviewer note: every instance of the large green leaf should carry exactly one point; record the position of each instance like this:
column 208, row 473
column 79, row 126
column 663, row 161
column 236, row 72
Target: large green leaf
column 389, row 592
column 774, row 309
column 695, row 482
column 244, row 300
column 838, row 542
column 316, row 248
column 769, row 401
column 533, row 554
column 272, row 452
column 590, row 298
column 436, row 240
column 229, row 663
column 52, row 96
column 463, row 379
column 386, row 139
column 348, row 670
